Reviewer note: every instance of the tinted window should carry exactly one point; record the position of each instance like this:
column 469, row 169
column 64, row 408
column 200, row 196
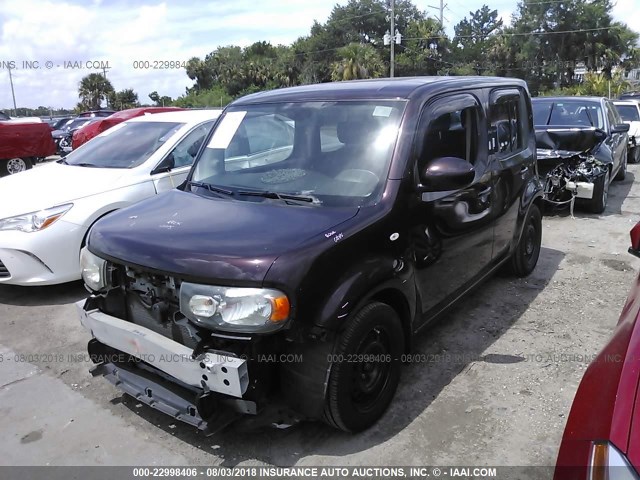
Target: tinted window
column 629, row 113
column 507, row 123
column 126, row 145
column 452, row 133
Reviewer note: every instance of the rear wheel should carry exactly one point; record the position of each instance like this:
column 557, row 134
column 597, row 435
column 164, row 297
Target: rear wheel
column 600, row 193
column 366, row 371
column 14, row 165
column 525, row 256
column 634, row 154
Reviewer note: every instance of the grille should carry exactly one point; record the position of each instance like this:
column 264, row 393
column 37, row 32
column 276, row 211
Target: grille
column 144, row 315
column 4, row 271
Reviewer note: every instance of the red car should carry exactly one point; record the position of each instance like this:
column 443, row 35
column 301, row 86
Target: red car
column 86, row 133
column 602, row 438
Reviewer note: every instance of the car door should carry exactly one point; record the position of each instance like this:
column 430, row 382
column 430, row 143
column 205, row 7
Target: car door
column 452, row 231
column 173, row 169
column 616, row 141
column 512, row 160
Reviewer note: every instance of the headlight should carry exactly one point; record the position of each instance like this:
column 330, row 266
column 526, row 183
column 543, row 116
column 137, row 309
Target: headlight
column 607, row 463
column 94, row 270
column 234, row 309
column 35, row 221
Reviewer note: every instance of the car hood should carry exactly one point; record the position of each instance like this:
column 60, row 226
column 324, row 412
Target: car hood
column 209, row 239
column 59, row 133
column 52, row 184
column 568, row 140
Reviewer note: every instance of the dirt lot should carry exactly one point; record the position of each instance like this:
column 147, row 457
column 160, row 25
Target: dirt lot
column 503, row 369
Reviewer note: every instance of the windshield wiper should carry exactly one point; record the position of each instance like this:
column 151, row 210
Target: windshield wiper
column 211, row 188
column 277, row 196
column 63, row 161
column 89, row 165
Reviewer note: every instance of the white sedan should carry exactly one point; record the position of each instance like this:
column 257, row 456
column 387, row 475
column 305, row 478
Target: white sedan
column 46, row 212
column 630, row 112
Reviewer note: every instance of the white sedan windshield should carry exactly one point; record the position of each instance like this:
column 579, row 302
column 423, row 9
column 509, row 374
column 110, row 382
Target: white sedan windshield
column 126, row 145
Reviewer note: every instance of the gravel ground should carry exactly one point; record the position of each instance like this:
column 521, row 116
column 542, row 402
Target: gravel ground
column 500, row 373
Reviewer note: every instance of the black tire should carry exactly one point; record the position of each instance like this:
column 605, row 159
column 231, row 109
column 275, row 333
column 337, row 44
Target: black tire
column 14, row 165
column 600, row 194
column 633, row 155
column 358, row 393
column 525, row 257
column 622, row 171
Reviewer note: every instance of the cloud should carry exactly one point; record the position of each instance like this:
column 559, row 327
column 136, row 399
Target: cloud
column 121, row 34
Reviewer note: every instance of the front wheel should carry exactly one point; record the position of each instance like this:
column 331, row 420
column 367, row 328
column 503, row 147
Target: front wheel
column 600, row 193
column 14, row 165
column 525, row 256
column 366, row 368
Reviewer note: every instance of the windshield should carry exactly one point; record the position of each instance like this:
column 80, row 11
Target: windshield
column 126, row 145
column 77, row 123
column 629, row 113
column 337, row 153
column 571, row 113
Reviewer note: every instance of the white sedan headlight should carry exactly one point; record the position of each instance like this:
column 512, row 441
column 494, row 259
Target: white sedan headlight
column 35, row 221
column 94, row 270
column 233, row 308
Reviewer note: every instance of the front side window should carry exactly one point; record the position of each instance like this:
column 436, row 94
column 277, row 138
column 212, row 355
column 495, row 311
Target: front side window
column 335, row 152
column 125, row 145
column 506, row 121
column 184, row 153
column 452, row 132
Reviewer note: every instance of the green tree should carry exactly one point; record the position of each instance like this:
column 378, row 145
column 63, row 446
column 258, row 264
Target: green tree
column 215, row 97
column 474, row 39
column 160, row 101
column 357, row 60
column 125, row 99
column 424, row 50
column 93, row 90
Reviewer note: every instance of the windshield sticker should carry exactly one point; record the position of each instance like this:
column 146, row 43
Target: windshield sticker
column 382, row 111
column 112, row 129
column 226, row 130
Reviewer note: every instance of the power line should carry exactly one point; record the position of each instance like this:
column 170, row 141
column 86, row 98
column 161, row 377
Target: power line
column 580, row 30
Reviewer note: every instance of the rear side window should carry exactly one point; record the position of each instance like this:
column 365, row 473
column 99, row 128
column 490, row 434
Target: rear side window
column 508, row 115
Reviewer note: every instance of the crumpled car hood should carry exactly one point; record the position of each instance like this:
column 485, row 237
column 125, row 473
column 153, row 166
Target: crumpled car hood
column 568, row 141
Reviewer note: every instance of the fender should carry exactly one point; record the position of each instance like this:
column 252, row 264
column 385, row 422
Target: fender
column 532, row 196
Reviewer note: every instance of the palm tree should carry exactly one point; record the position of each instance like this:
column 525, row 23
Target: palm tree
column 358, row 60
column 93, row 89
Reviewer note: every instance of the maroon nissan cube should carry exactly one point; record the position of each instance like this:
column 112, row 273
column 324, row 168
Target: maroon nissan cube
column 319, row 230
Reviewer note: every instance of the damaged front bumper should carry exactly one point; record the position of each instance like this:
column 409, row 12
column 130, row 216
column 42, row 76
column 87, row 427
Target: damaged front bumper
column 162, row 373
column 569, row 175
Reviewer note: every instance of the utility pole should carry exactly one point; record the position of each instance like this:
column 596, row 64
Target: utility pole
column 13, row 94
column 393, row 29
column 392, row 37
column 441, row 9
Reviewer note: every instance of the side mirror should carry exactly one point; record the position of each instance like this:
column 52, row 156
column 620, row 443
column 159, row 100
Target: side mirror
column 620, row 128
column 447, row 173
column 165, row 165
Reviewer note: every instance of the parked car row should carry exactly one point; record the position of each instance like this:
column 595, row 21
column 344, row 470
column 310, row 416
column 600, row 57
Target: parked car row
column 327, row 223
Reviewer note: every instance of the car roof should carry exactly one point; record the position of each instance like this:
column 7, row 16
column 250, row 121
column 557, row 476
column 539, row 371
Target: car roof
column 181, row 116
column 626, row 102
column 379, row 88
column 569, row 99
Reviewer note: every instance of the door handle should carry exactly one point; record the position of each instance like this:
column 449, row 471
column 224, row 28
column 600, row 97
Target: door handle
column 524, row 170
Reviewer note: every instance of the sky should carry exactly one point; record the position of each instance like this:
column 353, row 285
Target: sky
column 51, row 45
